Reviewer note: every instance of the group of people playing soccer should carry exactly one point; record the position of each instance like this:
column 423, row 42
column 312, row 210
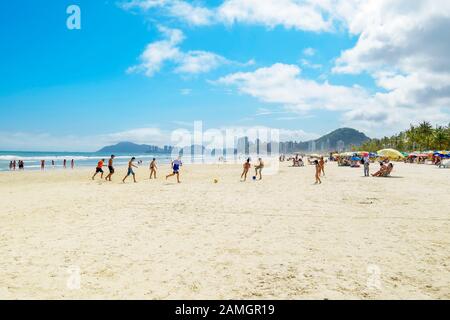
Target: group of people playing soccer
column 176, row 164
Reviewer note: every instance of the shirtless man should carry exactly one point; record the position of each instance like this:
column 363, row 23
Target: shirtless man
column 110, row 168
column 247, row 166
column 153, row 168
column 318, row 170
column 99, row 169
column 322, row 165
column 130, row 171
column 258, row 168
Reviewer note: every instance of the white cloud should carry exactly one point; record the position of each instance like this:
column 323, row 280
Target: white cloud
column 157, row 53
column 282, row 84
column 297, row 14
column 183, row 10
column 307, row 64
column 160, row 52
column 404, row 46
column 374, row 113
column 193, row 15
column 302, row 15
column 309, row 52
column 199, row 62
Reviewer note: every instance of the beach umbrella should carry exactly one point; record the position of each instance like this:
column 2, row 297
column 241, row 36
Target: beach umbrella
column 391, row 154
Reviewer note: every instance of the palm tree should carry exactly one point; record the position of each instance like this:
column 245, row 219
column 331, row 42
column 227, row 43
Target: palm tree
column 411, row 135
column 425, row 132
column 440, row 138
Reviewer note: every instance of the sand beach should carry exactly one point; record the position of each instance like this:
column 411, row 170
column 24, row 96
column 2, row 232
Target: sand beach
column 352, row 237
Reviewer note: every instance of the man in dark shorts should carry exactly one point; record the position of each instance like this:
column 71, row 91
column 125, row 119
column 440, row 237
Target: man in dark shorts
column 130, row 170
column 110, row 167
column 176, row 164
column 99, row 168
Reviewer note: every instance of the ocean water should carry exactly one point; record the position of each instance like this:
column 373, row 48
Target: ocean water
column 32, row 160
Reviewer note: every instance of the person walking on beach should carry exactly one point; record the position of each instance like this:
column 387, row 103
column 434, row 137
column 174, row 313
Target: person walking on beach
column 64, row 163
column 176, row 164
column 72, row 164
column 318, row 170
column 110, row 168
column 10, row 165
column 322, row 166
column 130, row 170
column 153, row 168
column 53, row 163
column 246, row 166
column 14, row 165
column 42, row 164
column 258, row 168
column 366, row 164
column 99, row 169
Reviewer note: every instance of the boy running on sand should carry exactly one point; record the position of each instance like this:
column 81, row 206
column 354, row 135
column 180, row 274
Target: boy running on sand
column 318, row 170
column 247, row 166
column 98, row 169
column 130, row 170
column 176, row 164
column 110, row 168
column 153, row 168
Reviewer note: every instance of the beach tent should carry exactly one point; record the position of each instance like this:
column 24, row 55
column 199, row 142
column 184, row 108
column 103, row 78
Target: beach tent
column 391, row 154
column 356, row 159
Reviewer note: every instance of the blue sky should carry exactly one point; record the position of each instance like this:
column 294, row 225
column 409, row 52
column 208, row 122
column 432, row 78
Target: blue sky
column 138, row 69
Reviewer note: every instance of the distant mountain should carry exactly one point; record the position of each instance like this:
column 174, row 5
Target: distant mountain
column 348, row 136
column 133, row 148
column 340, row 139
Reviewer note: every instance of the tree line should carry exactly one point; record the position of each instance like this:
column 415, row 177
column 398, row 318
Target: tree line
column 421, row 137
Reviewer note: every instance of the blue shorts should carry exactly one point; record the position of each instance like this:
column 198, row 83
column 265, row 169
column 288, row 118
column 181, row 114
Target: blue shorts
column 130, row 171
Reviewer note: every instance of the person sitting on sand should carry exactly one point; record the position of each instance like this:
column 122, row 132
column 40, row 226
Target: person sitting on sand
column 258, row 168
column 98, row 169
column 318, row 170
column 153, row 168
column 384, row 170
column 247, row 166
column 130, row 171
column 176, row 164
column 110, row 168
